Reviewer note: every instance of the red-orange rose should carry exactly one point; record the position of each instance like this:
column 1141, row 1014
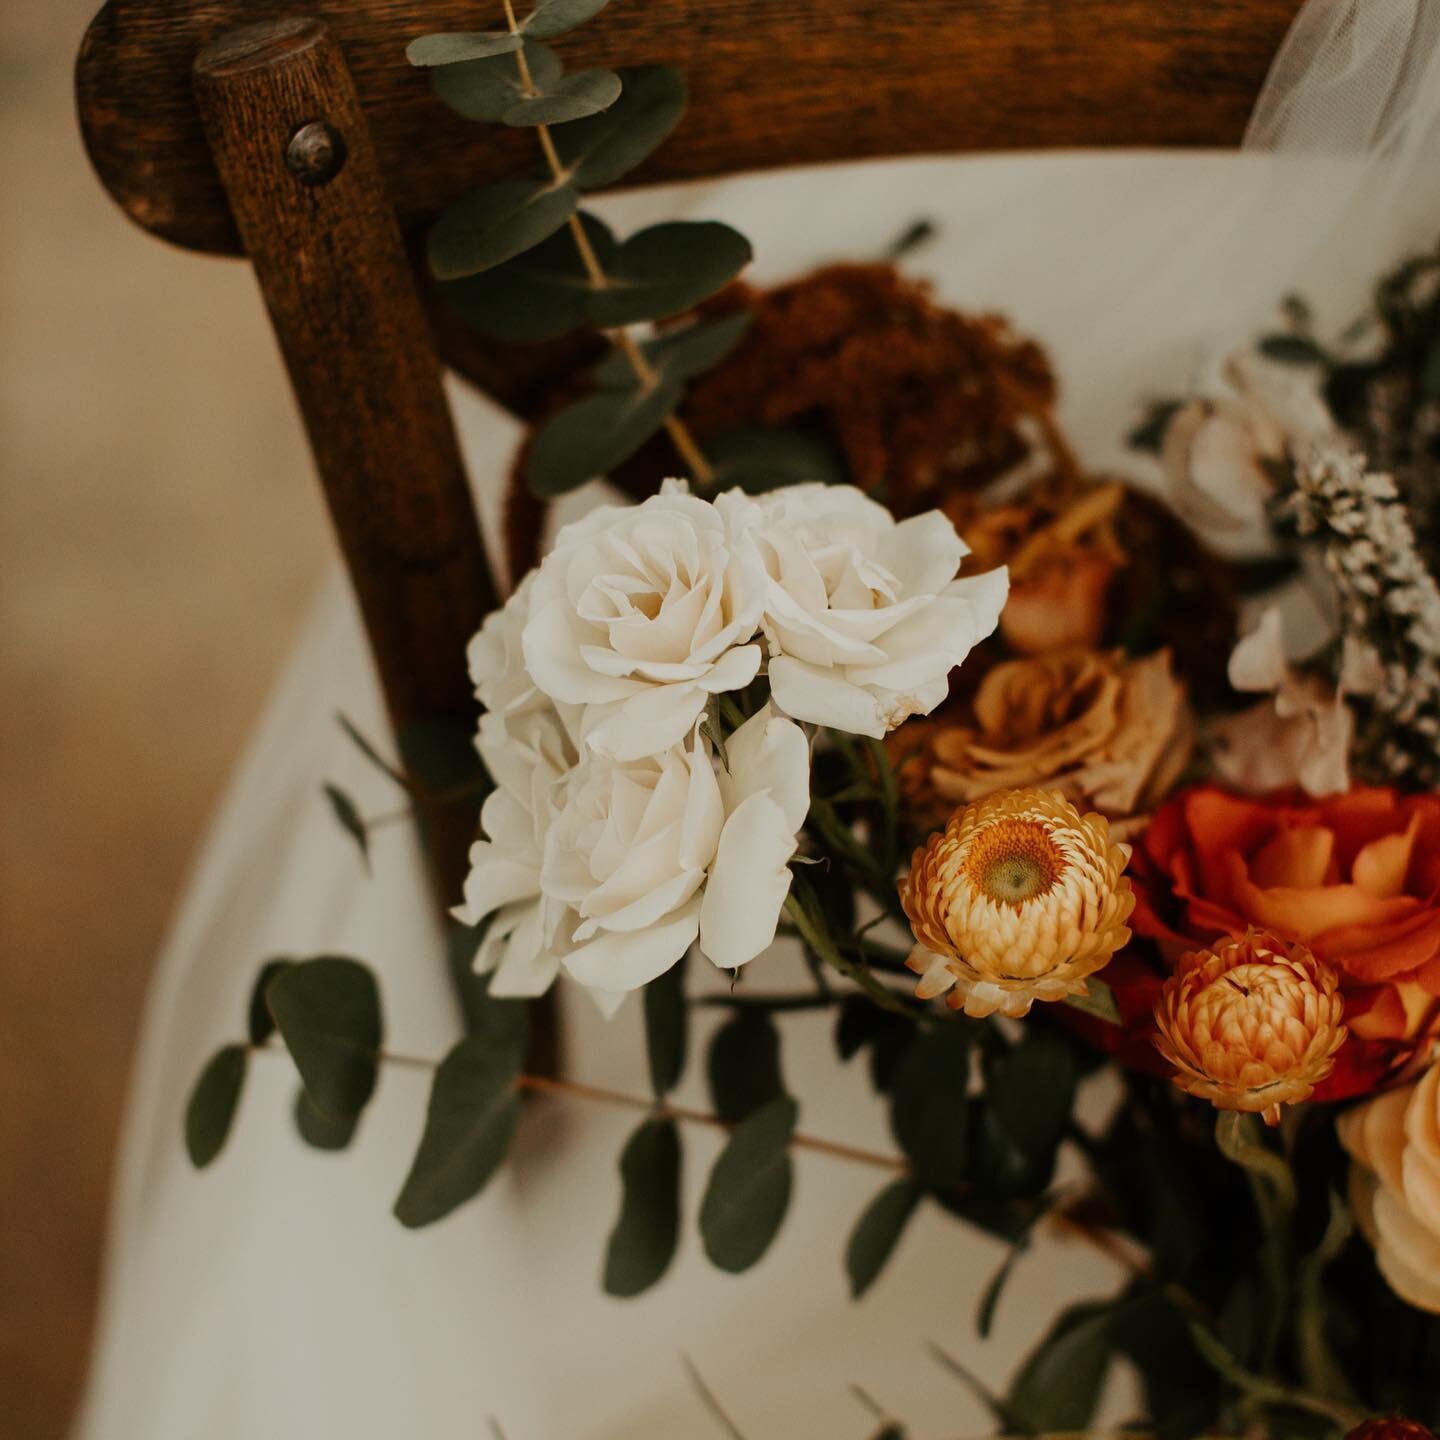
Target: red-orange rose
column 1355, row 877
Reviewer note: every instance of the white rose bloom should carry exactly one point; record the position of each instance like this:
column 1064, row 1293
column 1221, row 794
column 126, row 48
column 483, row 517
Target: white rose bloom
column 649, row 854
column 864, row 616
column 640, row 614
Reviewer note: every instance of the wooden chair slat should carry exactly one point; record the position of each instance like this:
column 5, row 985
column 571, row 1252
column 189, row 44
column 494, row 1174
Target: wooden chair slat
column 774, row 82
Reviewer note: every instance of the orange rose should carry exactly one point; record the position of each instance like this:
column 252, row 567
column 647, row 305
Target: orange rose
column 1356, row 878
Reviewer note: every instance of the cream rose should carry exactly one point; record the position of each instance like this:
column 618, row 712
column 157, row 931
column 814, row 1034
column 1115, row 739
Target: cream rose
column 639, row 615
column 1395, row 1185
column 648, row 855
column 863, row 617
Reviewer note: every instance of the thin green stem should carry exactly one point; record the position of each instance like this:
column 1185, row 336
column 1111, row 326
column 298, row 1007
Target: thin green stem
column 818, row 939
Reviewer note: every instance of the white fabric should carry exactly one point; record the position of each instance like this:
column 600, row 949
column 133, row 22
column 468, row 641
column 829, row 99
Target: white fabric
column 274, row 1296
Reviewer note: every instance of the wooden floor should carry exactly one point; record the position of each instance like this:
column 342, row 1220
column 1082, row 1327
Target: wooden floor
column 159, row 533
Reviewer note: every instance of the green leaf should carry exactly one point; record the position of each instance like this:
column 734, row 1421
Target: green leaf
column 260, row 1023
column 681, row 354
column 486, row 89
column 555, row 17
column 1292, row 350
column 928, row 1105
column 668, row 268
column 494, row 223
column 646, row 1235
column 1031, row 1088
column 344, row 811
column 744, row 1065
column 877, row 1232
column 328, row 1013
column 572, row 97
column 667, row 1022
column 600, row 150
column 990, row 1299
column 757, row 458
column 213, row 1102
column 319, row 1130
column 749, row 1188
column 368, row 749
column 440, row 755
column 1099, row 1001
column 536, row 296
column 1059, row 1384
column 474, row 1108
column 451, row 49
column 591, row 437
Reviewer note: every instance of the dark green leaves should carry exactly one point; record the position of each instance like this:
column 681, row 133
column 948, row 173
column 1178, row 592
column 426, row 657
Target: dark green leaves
column 1059, row 1384
column 877, row 1232
column 260, row 1024
column 599, row 150
column 667, row 1028
column 668, row 268
column 1031, row 1089
column 473, row 1111
column 555, row 17
column 319, row 1130
column 349, row 818
column 328, row 1014
column 493, row 223
column 213, row 1103
column 756, row 458
column 571, row 97
column 679, row 354
column 928, row 1105
column 452, row 49
column 749, row 1189
column 1292, row 350
column 645, row 1237
column 489, row 88
column 1099, row 1001
column 594, row 435
column 744, row 1065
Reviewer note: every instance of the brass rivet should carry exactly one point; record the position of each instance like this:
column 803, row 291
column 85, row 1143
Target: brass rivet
column 315, row 153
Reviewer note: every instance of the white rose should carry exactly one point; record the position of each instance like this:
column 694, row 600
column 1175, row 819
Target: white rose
column 640, row 614
column 649, row 854
column 863, row 616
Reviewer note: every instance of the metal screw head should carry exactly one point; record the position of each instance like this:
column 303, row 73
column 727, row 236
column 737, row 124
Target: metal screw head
column 315, row 153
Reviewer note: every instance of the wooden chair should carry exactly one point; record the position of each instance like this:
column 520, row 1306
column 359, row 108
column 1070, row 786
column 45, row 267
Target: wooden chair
column 293, row 131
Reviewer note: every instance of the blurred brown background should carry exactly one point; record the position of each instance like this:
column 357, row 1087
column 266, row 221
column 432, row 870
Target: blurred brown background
column 161, row 532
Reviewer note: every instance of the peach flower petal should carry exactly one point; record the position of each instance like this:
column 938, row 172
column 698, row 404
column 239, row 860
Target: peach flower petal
column 1298, row 856
column 1381, row 867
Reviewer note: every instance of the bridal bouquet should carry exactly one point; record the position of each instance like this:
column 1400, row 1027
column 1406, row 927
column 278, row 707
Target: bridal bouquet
column 1044, row 777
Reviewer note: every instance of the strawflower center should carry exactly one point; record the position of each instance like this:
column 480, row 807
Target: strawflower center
column 1013, row 861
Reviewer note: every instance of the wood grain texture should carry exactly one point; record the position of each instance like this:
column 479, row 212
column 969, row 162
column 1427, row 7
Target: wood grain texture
column 774, row 82
column 333, row 270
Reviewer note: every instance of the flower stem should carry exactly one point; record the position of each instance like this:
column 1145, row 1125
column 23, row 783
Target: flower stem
column 701, row 471
column 818, row 939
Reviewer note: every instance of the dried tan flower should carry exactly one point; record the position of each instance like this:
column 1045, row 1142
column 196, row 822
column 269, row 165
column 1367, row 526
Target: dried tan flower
column 1018, row 899
column 1110, row 734
column 1252, row 1024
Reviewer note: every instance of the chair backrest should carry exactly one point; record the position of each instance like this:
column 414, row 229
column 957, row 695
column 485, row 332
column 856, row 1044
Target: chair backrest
column 311, row 146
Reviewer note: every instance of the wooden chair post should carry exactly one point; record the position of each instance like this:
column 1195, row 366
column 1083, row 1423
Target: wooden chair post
column 296, row 159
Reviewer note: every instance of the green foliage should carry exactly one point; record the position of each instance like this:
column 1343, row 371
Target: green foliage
column 493, row 223
column 647, row 1232
column 440, row 755
column 743, row 1065
column 679, row 354
column 749, row 1189
column 571, row 97
column 348, row 816
column 328, row 1013
column 319, row 1130
column 1031, row 1090
column 757, row 458
column 259, row 1023
column 928, row 1109
column 489, row 88
column 600, row 150
column 1292, row 350
column 452, row 49
column 1058, row 1386
column 1098, row 1000
column 474, row 1108
column 667, row 268
column 370, row 751
column 213, row 1103
column 878, row 1231
column 591, row 437
column 667, row 1028
column 1149, row 434
column 555, row 17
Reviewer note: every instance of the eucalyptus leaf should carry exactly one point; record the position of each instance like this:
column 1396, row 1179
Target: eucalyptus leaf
column 343, row 808
column 328, row 1013
column 757, row 458
column 592, row 436
column 668, row 268
column 1031, row 1089
column 474, row 1108
column 990, row 1298
column 555, row 17
column 749, row 1188
column 646, row 1235
column 681, row 354
column 319, row 1130
column 600, row 150
column 492, row 224
column 878, row 1231
column 213, row 1103
column 369, row 749
column 1099, row 1001
column 928, row 1105
column 1292, row 350
column 453, row 48
column 1059, row 1384
column 536, row 296
column 440, row 755
column 259, row 1022
column 485, row 89
column 743, row 1065
column 667, row 1025
column 572, row 97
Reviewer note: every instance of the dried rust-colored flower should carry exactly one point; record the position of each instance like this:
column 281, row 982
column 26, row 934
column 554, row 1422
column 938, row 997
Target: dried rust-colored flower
column 1018, row 899
column 1252, row 1024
